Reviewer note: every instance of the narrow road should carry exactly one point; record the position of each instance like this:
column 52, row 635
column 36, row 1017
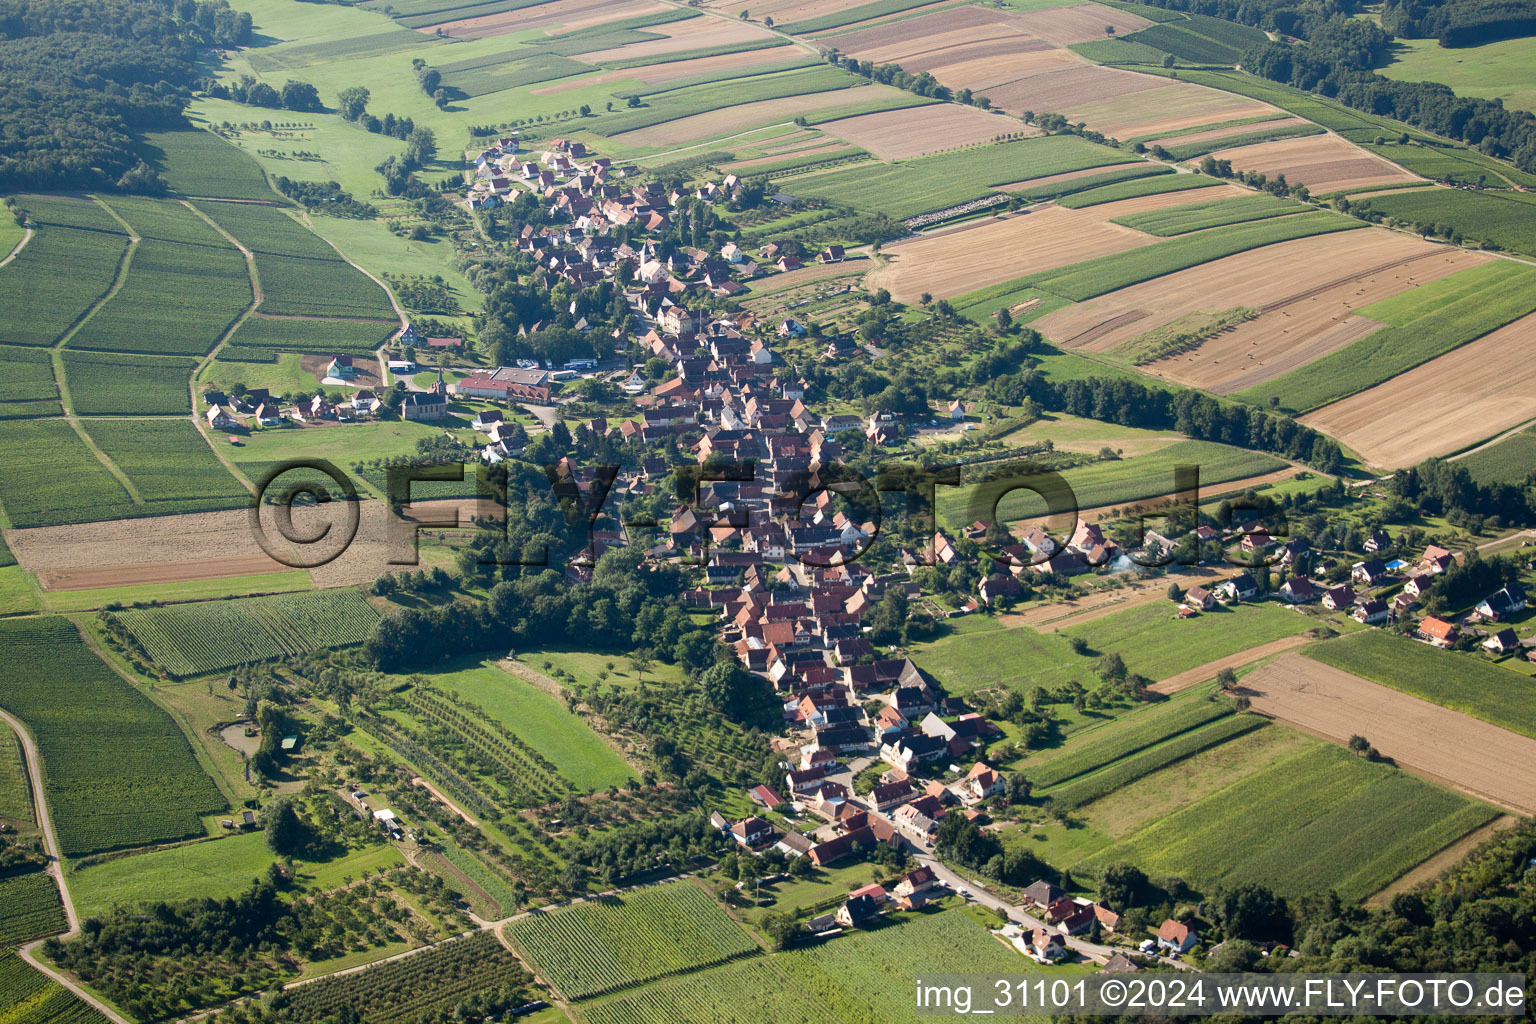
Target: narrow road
column 1200, row 673
column 25, row 238
column 56, row 869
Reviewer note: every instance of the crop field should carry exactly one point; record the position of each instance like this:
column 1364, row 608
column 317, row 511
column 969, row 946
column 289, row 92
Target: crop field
column 1321, row 819
column 851, row 14
column 424, row 986
column 1506, row 219
column 578, row 753
column 1116, row 481
column 903, row 134
column 855, row 975
column 1188, row 150
column 716, row 995
column 168, row 460
column 1305, row 293
column 199, row 163
column 261, row 338
column 217, row 869
column 15, row 787
column 1148, row 638
column 934, row 182
column 1469, row 685
column 300, row 274
column 1142, row 186
column 725, row 120
column 192, row 639
column 1323, row 163
column 1422, row 323
column 1215, row 213
column 107, row 384
column 480, row 75
column 167, row 221
column 51, row 477
column 32, row 908
column 26, row 382
column 120, row 772
column 27, row 996
column 1510, row 461
column 1130, row 734
column 37, row 303
column 1095, row 785
column 617, row 941
column 686, row 101
column 1175, row 38
column 1478, row 404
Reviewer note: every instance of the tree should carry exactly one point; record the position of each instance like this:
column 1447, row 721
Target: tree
column 286, row 835
column 1111, row 668
column 1250, row 911
column 640, row 661
column 420, row 147
column 1004, row 319
column 263, row 95
column 352, row 102
column 1226, row 678
column 633, row 101
column 301, row 96
column 429, row 78
column 1359, row 744
column 781, row 927
column 1168, row 61
column 586, row 110
column 1175, row 592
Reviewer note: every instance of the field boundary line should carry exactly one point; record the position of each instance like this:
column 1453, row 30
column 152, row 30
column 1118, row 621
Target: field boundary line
column 1203, row 673
column 25, row 238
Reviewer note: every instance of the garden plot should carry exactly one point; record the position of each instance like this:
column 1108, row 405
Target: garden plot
column 1323, row 163
column 1303, row 290
column 899, row 134
column 1491, row 763
column 1480, row 389
column 946, row 263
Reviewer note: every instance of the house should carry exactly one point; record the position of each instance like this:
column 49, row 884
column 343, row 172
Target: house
column 890, row 794
column 423, row 405
column 1418, row 585
column 1199, row 598
column 1371, row 573
column 983, row 781
column 1503, row 642
column 793, row 844
column 1108, row 919
column 791, row 328
column 268, row 414
column 922, row 879
column 1298, row 590
column 341, row 368
column 999, row 587
column 1119, row 964
column 766, row 796
column 1042, row 894
column 1370, row 612
column 832, row 254
column 1339, row 598
column 753, row 831
column 1379, row 540
column 1436, row 559
column 1177, row 937
column 1502, row 604
column 486, row 419
column 1437, row 631
column 217, row 418
column 1241, row 587
column 957, row 411
column 860, row 909
column 1048, row 946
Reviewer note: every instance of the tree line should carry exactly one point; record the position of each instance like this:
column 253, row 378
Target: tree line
column 1459, row 22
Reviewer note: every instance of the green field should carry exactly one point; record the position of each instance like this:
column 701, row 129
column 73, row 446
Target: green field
column 1507, row 219
column 1129, row 734
column 1178, row 220
column 849, row 15
column 719, row 995
column 1498, row 70
column 1457, row 681
column 1301, row 824
column 32, row 908
column 1116, row 481
column 168, row 461
column 300, row 274
column 199, row 163
column 187, row 590
column 27, row 996
column 1422, row 323
column 1178, row 39
column 543, row 722
column 192, row 639
column 865, row 977
column 282, row 374
column 617, row 941
column 935, row 182
column 660, row 107
column 1137, row 187
column 15, row 788
column 1148, row 638
column 1190, row 150
column 108, row 384
column 260, row 338
column 1510, row 461
column 38, row 302
column 1098, row 784
column 119, row 771
column 27, row 386
column 216, row 869
column 51, row 477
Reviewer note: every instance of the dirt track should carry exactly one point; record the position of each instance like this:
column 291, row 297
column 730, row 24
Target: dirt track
column 1200, row 673
column 1446, row 746
column 158, row 572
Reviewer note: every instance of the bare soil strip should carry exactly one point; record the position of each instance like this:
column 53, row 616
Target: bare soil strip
column 1445, row 746
column 1189, row 677
column 160, row 572
column 1444, row 860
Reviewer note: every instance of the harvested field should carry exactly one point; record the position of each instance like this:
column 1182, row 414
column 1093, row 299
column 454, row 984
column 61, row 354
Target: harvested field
column 1323, row 163
column 728, row 120
column 1056, row 179
column 912, row 37
column 1066, row 89
column 693, row 34
column 1444, row 746
column 899, row 134
column 1171, row 107
column 551, row 16
column 167, row 547
column 1062, row 26
column 1481, row 389
column 1229, row 130
column 945, row 263
column 160, row 572
column 669, row 71
column 982, row 68
column 1304, row 291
